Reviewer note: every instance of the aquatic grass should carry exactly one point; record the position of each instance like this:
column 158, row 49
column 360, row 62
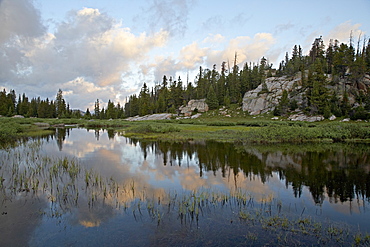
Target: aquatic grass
column 361, row 240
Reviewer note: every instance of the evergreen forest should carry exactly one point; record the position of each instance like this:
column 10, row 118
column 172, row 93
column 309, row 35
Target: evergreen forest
column 322, row 68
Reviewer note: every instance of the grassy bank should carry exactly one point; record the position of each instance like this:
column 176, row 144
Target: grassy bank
column 12, row 129
column 233, row 129
column 252, row 131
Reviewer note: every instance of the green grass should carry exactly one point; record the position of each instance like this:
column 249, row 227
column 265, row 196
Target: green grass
column 260, row 132
column 210, row 126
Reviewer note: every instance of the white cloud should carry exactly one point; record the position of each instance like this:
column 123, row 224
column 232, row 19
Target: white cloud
column 214, row 39
column 19, row 18
column 88, row 56
column 84, row 93
column 194, row 55
column 247, row 49
column 343, row 31
column 20, row 24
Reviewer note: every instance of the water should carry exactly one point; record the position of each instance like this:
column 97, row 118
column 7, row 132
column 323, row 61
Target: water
column 141, row 193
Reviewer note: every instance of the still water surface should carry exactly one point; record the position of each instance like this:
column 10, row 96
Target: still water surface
column 329, row 184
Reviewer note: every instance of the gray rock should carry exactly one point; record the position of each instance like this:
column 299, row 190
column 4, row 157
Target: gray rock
column 260, row 101
column 257, row 101
column 160, row 116
column 193, row 104
column 302, row 117
column 196, row 116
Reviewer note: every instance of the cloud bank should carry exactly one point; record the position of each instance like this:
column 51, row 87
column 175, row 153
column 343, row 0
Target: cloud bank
column 214, row 49
column 87, row 56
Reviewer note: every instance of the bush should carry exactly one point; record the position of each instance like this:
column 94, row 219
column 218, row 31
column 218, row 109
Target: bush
column 221, row 124
column 155, row 128
column 360, row 113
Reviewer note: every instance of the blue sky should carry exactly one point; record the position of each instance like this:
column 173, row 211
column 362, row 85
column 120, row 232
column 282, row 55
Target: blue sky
column 107, row 49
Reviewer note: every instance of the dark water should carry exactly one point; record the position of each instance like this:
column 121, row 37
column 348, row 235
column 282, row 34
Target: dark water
column 137, row 190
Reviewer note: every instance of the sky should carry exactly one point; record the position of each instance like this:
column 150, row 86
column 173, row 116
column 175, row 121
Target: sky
column 107, row 49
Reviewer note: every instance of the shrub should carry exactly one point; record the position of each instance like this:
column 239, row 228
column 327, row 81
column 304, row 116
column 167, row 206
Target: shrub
column 219, row 123
column 155, row 128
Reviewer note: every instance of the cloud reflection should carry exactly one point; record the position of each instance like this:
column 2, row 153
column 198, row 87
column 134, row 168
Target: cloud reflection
column 141, row 171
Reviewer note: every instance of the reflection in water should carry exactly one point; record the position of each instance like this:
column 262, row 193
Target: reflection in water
column 107, row 178
column 18, row 218
column 339, row 172
column 341, row 175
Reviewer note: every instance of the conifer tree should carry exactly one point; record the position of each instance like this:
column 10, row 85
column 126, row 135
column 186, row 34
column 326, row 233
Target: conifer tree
column 211, row 99
column 60, row 104
column 144, row 101
column 87, row 114
column 97, row 109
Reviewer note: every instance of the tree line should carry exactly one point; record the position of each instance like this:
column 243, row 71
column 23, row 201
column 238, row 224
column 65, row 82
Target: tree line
column 58, row 108
column 218, row 88
column 36, row 107
column 321, row 68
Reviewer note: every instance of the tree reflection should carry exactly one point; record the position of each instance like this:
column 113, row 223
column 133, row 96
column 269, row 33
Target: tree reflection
column 340, row 172
column 60, row 136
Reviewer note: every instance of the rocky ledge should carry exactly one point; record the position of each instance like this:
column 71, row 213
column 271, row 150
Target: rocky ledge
column 267, row 95
column 161, row 116
column 196, row 106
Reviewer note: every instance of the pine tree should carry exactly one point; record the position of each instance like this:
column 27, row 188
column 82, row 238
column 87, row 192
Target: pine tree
column 144, row 101
column 367, row 56
column 319, row 93
column 201, row 85
column 284, row 102
column 3, row 103
column 102, row 114
column 60, row 104
column 87, row 114
column 97, row 109
column 179, row 94
column 317, row 50
column 211, row 99
column 110, row 112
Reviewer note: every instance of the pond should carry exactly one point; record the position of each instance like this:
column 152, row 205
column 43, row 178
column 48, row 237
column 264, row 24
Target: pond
column 83, row 187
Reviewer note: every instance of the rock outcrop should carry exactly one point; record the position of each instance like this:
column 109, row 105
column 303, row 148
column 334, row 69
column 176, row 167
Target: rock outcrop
column 193, row 105
column 265, row 97
column 161, row 116
column 302, row 117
